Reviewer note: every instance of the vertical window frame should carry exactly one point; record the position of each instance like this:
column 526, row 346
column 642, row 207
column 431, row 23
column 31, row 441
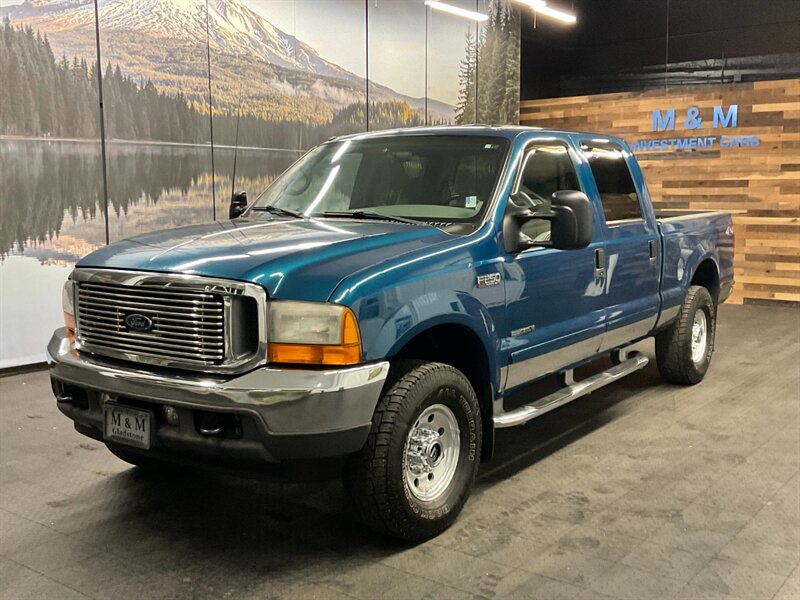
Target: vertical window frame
column 642, row 218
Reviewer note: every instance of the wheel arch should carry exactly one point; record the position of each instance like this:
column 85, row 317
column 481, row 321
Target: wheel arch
column 462, row 347
column 706, row 274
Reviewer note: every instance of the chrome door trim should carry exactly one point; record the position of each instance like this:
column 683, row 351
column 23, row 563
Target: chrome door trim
column 570, row 392
column 624, row 335
column 668, row 314
column 551, row 362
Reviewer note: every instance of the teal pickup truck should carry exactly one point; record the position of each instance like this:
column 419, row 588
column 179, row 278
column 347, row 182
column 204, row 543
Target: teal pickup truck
column 380, row 302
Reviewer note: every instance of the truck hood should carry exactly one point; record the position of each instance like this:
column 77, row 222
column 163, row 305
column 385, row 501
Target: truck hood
column 300, row 259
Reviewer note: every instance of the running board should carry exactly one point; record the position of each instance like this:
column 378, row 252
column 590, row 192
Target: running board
column 573, row 390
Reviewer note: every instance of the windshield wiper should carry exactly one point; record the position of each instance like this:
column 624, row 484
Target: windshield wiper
column 365, row 214
column 277, row 210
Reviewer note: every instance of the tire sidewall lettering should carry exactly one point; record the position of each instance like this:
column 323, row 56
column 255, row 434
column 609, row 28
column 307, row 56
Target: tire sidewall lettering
column 455, row 399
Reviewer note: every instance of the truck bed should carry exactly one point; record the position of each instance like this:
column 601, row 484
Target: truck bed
column 671, row 214
column 687, row 237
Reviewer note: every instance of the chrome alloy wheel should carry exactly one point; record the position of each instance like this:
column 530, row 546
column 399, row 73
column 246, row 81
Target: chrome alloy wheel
column 431, row 453
column 699, row 336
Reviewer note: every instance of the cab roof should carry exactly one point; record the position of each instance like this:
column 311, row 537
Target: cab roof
column 510, row 132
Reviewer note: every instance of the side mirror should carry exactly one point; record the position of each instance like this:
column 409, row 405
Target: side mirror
column 238, row 204
column 572, row 222
column 570, row 217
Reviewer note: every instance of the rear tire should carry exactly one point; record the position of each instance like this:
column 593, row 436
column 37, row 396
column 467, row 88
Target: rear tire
column 415, row 472
column 684, row 349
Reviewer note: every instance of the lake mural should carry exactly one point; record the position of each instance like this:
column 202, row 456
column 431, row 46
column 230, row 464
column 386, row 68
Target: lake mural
column 271, row 78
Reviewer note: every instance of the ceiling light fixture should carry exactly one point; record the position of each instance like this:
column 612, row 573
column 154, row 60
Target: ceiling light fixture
column 540, row 6
column 455, row 10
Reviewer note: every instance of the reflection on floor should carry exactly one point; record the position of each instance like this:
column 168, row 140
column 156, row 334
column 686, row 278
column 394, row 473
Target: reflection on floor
column 641, row 490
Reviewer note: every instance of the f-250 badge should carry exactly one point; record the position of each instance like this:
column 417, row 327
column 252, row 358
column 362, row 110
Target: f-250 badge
column 488, row 279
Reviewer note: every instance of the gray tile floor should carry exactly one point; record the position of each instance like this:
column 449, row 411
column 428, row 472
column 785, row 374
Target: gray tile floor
column 642, row 490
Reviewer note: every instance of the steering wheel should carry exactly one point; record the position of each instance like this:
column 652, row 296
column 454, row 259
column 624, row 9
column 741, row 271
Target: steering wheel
column 530, row 200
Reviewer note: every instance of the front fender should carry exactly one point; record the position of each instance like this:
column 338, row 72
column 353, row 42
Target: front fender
column 446, row 308
column 391, row 320
column 396, row 302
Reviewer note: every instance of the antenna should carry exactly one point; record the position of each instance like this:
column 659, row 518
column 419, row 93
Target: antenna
column 211, row 119
column 236, row 142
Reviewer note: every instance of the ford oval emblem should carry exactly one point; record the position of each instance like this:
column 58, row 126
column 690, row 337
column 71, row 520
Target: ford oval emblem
column 138, row 322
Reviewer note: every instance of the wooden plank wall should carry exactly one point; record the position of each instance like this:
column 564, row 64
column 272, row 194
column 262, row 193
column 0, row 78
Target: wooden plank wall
column 760, row 185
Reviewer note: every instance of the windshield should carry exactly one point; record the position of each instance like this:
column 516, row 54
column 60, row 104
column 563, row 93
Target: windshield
column 425, row 178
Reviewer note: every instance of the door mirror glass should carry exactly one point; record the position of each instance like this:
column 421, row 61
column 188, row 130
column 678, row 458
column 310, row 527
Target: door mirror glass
column 566, row 224
column 238, row 204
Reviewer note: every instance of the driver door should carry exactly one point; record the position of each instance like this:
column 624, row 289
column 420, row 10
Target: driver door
column 555, row 306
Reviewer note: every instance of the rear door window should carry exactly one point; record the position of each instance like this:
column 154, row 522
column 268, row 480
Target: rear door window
column 618, row 193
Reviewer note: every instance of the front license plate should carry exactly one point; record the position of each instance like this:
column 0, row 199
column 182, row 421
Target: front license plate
column 128, row 425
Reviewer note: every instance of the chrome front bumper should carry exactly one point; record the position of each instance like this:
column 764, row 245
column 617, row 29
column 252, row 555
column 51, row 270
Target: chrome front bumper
column 297, row 413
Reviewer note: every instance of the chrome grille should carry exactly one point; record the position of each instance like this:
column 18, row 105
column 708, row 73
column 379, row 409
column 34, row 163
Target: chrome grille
column 188, row 323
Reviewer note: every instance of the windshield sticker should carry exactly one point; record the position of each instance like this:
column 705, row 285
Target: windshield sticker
column 470, row 202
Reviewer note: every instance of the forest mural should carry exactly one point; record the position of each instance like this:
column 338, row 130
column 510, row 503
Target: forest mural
column 289, row 74
column 488, row 90
column 139, row 110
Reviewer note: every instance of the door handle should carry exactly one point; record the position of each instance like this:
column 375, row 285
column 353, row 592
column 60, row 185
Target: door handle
column 651, row 246
column 599, row 262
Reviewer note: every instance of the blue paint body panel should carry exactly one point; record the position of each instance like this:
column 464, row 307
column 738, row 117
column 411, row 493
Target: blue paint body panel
column 401, row 279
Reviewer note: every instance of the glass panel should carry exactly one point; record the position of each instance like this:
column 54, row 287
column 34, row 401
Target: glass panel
column 614, row 182
column 451, row 65
column 331, row 57
column 50, row 179
column 396, row 63
column 498, row 56
column 258, row 113
column 155, row 85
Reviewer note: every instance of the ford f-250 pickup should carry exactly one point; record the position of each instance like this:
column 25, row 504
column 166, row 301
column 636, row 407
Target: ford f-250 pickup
column 380, row 302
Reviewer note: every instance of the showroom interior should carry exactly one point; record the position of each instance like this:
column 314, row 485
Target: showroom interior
column 146, row 119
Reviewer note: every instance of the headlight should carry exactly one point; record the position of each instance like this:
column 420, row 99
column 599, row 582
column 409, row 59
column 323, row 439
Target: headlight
column 68, row 304
column 312, row 333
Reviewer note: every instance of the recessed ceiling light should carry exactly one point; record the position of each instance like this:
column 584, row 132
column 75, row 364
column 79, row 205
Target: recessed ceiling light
column 540, row 6
column 455, row 10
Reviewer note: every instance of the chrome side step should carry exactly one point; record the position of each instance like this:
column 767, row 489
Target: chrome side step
column 571, row 391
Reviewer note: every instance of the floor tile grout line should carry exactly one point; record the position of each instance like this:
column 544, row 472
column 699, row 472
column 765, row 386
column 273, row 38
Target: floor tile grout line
column 97, row 550
column 24, row 566
column 716, row 555
column 449, row 585
column 536, row 448
column 615, row 501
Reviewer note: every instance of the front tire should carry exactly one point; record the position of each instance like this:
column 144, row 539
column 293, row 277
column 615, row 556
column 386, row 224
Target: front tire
column 415, row 472
column 684, row 349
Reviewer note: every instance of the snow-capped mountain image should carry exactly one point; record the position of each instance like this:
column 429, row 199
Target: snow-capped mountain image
column 234, row 28
column 165, row 41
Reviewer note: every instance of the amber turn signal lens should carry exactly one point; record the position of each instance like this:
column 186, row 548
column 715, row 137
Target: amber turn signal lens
column 348, row 352
column 314, row 355
column 69, row 323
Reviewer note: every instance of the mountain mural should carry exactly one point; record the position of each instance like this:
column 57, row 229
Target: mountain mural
column 274, row 95
column 164, row 41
